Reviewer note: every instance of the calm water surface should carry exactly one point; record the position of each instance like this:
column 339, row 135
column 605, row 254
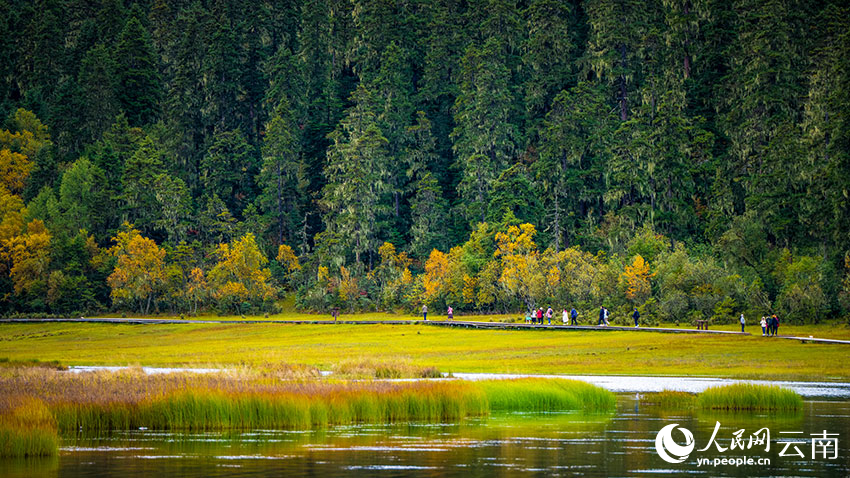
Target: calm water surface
column 618, row 444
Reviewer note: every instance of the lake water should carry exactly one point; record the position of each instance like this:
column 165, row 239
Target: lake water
column 560, row 444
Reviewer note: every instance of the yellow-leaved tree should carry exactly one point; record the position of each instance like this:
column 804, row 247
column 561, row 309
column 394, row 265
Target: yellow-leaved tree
column 240, row 275
column 636, row 277
column 434, row 279
column 288, row 261
column 12, row 212
column 197, row 289
column 140, row 272
column 393, row 276
column 522, row 276
column 30, row 259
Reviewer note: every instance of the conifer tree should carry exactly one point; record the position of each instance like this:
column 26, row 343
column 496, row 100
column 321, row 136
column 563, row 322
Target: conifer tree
column 138, row 88
column 98, row 99
column 356, row 173
column 282, row 177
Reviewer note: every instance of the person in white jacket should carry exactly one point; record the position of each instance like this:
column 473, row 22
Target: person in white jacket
column 565, row 317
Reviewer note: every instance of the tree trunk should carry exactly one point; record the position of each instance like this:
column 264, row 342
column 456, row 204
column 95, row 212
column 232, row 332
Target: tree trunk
column 279, row 205
column 557, row 222
column 624, row 109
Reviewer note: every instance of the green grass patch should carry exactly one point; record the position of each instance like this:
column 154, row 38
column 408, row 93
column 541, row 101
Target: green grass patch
column 32, row 363
column 669, row 399
column 541, row 395
column 283, row 409
column 745, row 396
column 28, row 430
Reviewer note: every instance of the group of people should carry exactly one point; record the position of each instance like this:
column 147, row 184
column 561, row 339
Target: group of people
column 536, row 316
column 450, row 313
column 769, row 325
column 604, row 314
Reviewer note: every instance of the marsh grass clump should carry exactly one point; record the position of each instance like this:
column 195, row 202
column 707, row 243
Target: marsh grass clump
column 28, row 430
column 299, row 406
column 539, row 395
column 234, row 400
column 35, row 403
column 669, row 399
column 361, row 369
column 747, row 396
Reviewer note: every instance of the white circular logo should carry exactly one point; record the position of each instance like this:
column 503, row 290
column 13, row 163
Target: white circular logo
column 668, row 449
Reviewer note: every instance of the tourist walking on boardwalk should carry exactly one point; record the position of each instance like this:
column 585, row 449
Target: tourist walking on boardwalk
column 540, row 316
column 742, row 322
column 528, row 314
column 565, row 317
column 605, row 316
column 574, row 316
column 775, row 325
column 450, row 313
column 601, row 316
column 763, row 326
column 636, row 316
column 424, row 312
column 549, row 313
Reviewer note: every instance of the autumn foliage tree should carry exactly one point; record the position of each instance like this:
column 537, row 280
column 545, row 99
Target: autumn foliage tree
column 240, row 275
column 140, row 270
column 521, row 273
column 636, row 277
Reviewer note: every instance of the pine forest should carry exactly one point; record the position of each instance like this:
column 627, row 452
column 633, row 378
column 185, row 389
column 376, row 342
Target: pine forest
column 688, row 158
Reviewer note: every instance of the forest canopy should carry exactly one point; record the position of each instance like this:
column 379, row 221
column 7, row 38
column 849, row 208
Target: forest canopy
column 690, row 158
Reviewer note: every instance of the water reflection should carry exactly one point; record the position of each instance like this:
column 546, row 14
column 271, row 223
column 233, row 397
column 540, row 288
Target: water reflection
column 564, row 444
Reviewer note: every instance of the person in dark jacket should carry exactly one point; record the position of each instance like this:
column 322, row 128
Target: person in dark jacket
column 636, row 316
column 574, row 316
column 601, row 316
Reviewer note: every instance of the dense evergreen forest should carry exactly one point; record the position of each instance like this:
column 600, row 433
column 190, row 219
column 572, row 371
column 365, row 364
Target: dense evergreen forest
column 687, row 157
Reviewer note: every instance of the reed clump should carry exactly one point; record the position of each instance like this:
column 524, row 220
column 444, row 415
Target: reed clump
column 539, row 395
column 28, row 430
column 669, row 399
column 360, row 369
column 291, row 406
column 746, row 396
column 130, row 399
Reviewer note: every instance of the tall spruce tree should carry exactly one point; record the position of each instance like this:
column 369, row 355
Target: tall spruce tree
column 761, row 114
column 98, row 100
column 139, row 86
column 281, row 179
column 356, row 174
column 824, row 209
column 486, row 137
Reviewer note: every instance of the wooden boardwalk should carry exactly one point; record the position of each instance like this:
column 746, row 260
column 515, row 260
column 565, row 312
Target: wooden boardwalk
column 467, row 324
column 437, row 323
column 815, row 340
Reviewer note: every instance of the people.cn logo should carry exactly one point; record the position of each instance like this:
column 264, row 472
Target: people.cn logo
column 668, row 449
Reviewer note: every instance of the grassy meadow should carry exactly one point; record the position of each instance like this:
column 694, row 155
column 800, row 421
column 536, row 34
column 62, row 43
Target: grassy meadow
column 326, row 347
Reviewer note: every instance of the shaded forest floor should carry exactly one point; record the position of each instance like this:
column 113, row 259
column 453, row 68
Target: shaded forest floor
column 449, row 350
